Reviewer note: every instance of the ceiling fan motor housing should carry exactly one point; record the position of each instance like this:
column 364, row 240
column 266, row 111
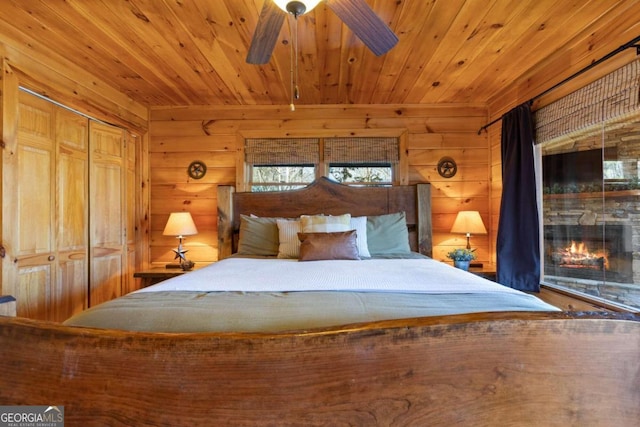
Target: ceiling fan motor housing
column 296, row 8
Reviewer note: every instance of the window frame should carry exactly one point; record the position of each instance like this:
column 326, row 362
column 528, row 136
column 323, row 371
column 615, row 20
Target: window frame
column 400, row 170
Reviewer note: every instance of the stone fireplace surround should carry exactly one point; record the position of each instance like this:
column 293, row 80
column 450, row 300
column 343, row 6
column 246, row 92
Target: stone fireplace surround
column 619, row 210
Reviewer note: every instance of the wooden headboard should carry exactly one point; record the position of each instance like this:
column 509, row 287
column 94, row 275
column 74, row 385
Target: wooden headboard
column 324, row 196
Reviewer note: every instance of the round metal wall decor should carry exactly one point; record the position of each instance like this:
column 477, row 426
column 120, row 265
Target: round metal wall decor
column 447, row 167
column 197, row 169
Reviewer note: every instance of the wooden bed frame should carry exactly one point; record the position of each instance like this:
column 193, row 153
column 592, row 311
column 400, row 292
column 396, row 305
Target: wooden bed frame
column 329, row 198
column 481, row 369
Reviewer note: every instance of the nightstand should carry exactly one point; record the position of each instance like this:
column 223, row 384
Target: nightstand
column 487, row 271
column 157, row 275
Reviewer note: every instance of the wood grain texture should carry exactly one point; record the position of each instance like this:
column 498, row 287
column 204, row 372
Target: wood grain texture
column 427, row 133
column 157, row 53
column 327, row 197
column 483, row 369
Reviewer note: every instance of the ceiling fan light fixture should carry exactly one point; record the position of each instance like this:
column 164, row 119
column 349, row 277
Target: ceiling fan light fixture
column 297, row 7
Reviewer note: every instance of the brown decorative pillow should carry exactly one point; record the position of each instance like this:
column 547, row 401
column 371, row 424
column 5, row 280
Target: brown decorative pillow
column 326, row 246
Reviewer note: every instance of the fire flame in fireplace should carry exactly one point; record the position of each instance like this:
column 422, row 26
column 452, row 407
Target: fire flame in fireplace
column 578, row 256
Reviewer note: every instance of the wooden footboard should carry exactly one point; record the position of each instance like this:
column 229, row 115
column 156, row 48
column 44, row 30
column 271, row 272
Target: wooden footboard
column 487, row 369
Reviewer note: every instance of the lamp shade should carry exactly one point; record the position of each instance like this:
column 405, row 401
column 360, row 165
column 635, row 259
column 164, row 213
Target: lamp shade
column 308, row 4
column 468, row 222
column 180, row 224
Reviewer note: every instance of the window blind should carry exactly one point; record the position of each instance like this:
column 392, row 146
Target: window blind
column 372, row 150
column 610, row 97
column 282, row 151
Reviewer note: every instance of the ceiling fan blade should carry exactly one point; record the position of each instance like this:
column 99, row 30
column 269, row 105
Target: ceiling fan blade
column 365, row 24
column 266, row 34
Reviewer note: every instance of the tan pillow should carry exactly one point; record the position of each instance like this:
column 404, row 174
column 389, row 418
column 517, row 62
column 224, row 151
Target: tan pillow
column 325, row 223
column 326, row 246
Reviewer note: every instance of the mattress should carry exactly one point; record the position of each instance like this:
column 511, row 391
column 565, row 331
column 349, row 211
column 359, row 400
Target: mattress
column 277, row 295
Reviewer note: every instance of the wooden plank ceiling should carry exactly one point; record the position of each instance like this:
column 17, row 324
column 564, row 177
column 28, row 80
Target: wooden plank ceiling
column 192, row 52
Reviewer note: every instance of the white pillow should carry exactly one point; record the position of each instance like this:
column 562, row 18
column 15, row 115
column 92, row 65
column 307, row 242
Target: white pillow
column 289, row 246
column 359, row 224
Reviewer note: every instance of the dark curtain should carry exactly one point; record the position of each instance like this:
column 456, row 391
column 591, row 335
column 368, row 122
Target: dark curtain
column 517, row 247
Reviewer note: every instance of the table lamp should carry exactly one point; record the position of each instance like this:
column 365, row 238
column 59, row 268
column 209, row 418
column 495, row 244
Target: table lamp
column 469, row 222
column 180, row 224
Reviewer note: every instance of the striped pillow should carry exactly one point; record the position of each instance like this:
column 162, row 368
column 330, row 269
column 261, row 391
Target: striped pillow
column 289, row 246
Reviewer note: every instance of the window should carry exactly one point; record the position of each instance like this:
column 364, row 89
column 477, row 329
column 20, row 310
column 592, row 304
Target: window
column 273, row 164
column 361, row 174
column 590, row 152
column 361, row 161
column 589, row 217
column 282, row 177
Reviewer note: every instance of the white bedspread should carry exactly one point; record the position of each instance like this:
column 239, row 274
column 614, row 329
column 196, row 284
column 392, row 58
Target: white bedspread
column 285, row 275
column 258, row 295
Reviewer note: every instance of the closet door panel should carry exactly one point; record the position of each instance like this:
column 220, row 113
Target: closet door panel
column 106, row 206
column 70, row 288
column 106, row 212
column 34, row 241
column 106, row 276
column 35, row 204
column 32, row 292
column 72, row 204
column 72, row 134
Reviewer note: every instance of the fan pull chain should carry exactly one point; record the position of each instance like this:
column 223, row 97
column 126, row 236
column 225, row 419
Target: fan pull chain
column 294, row 90
column 296, row 93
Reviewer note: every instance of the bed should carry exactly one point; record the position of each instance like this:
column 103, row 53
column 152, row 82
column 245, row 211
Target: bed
column 360, row 349
column 324, row 256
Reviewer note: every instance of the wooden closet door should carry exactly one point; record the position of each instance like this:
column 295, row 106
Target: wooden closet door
column 45, row 225
column 106, row 212
column 29, row 209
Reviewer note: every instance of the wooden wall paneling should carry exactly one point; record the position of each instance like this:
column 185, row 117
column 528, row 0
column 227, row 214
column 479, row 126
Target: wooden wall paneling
column 219, row 142
column 242, row 175
column 494, row 136
column 213, row 159
column 180, row 134
column 177, row 175
column 143, row 199
column 403, row 165
column 130, row 208
column 9, row 133
column 173, row 190
column 250, row 114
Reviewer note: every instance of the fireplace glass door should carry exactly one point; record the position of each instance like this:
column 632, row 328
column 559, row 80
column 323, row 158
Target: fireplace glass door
column 591, row 212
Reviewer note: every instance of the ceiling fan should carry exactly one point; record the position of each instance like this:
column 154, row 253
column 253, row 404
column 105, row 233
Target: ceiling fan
column 356, row 14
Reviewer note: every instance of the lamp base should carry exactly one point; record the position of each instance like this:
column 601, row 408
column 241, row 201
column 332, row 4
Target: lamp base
column 185, row 265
